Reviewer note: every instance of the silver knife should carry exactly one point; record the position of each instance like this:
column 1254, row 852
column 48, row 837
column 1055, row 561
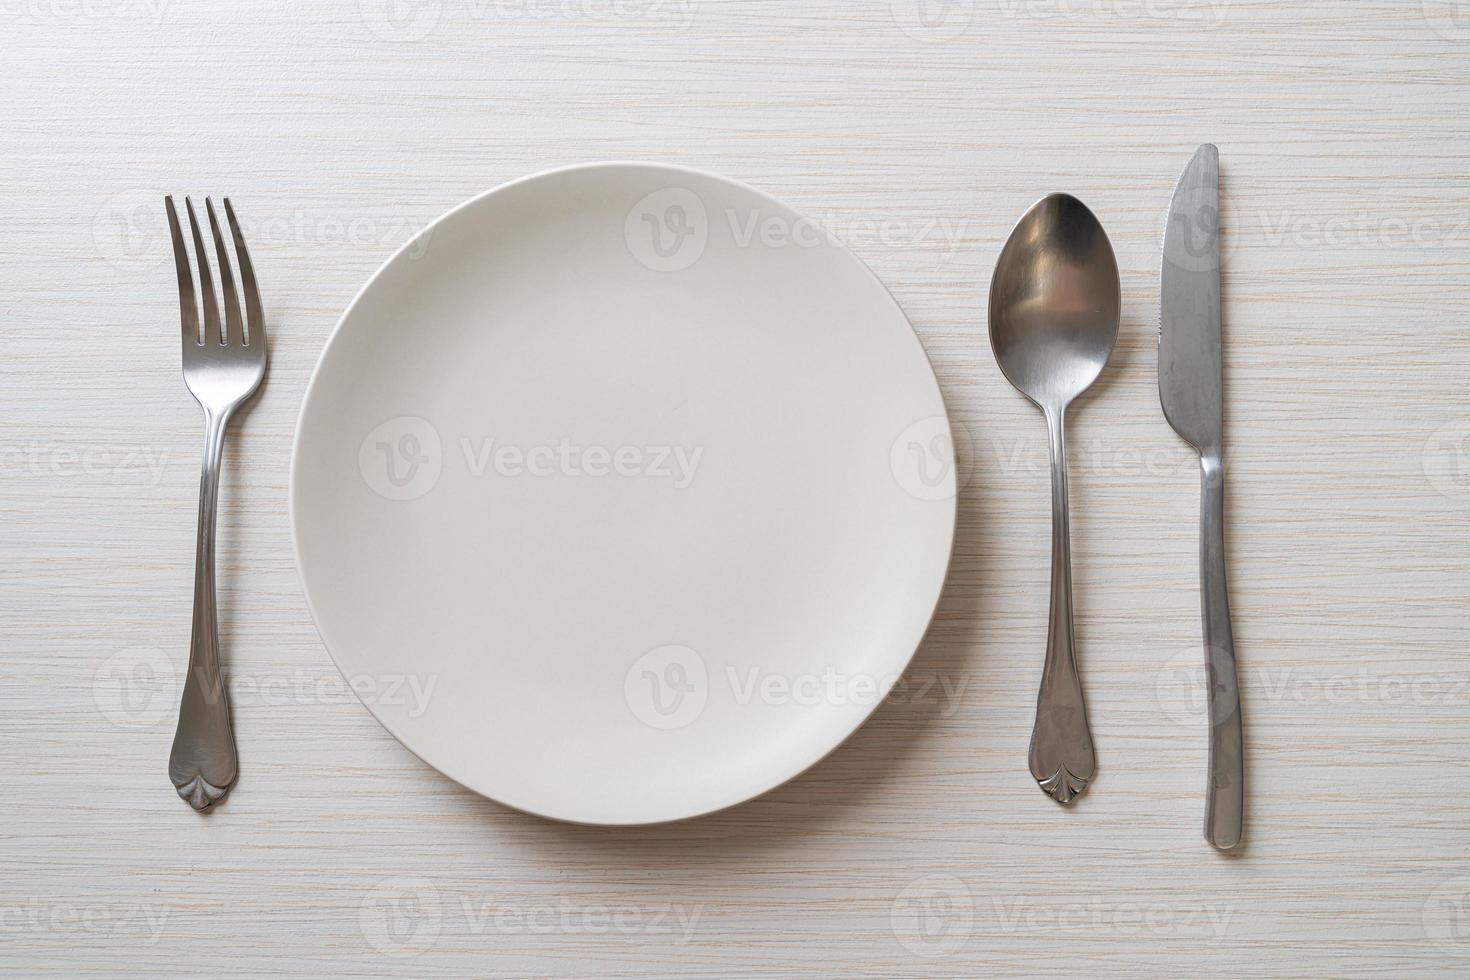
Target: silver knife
column 1190, row 388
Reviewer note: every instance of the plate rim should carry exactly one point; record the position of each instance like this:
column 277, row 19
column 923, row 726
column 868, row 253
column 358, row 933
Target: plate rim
column 951, row 509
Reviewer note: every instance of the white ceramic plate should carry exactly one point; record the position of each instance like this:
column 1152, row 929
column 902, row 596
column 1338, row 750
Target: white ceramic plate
column 623, row 494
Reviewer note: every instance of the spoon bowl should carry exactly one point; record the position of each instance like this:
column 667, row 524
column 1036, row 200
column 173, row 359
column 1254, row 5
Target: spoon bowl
column 1054, row 302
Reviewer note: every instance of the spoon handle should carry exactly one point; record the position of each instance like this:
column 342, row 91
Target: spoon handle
column 1061, row 756
column 1225, row 796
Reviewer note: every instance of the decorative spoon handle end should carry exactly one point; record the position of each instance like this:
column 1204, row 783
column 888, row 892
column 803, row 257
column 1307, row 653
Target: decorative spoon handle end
column 1063, row 786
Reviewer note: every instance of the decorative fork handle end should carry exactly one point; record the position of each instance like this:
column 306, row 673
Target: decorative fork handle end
column 203, row 765
column 200, row 793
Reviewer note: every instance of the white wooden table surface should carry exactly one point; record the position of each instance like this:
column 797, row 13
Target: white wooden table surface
column 917, row 131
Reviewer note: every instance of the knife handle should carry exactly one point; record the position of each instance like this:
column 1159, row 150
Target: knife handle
column 1225, row 798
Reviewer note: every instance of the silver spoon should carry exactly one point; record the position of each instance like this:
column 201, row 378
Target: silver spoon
column 1054, row 307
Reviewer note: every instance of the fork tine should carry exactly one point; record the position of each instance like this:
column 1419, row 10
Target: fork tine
column 206, row 281
column 254, row 317
column 233, row 332
column 188, row 308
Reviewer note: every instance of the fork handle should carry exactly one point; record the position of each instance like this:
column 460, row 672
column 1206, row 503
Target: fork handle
column 203, row 764
column 1225, row 795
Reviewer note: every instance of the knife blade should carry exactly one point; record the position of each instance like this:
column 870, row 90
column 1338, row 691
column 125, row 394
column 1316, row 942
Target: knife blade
column 1189, row 307
column 1191, row 390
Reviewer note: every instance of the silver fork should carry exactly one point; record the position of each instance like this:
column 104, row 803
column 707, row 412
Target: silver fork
column 222, row 369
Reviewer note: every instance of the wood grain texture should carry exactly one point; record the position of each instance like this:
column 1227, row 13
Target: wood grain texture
column 918, row 132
